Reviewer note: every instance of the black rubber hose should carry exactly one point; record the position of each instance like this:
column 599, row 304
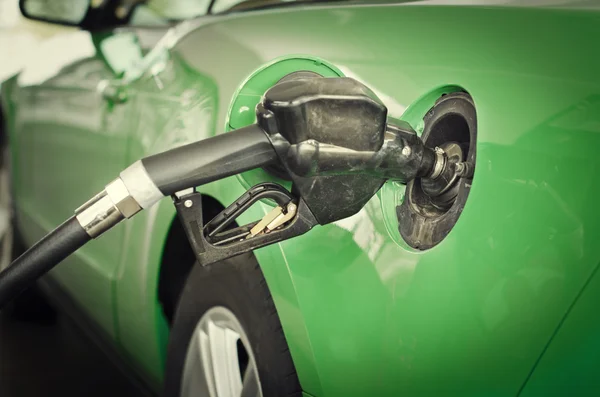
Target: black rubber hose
column 210, row 159
column 39, row 259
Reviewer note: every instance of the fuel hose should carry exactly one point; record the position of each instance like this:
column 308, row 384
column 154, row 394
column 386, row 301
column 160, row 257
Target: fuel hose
column 138, row 187
column 41, row 257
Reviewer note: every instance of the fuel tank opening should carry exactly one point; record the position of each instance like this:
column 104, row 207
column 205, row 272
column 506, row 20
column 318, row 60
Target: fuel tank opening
column 432, row 205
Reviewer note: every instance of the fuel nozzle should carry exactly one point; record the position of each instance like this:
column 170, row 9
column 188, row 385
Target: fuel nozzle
column 441, row 186
column 338, row 145
column 401, row 157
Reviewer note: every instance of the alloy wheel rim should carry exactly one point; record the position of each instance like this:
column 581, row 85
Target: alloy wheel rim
column 219, row 361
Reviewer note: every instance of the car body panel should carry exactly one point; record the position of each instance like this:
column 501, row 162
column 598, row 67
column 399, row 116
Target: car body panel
column 75, row 141
column 570, row 363
column 67, row 123
column 362, row 313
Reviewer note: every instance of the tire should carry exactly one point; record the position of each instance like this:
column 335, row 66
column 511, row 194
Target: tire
column 234, row 287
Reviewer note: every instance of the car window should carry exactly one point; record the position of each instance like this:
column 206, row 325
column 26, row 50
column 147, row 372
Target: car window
column 178, row 9
column 142, row 15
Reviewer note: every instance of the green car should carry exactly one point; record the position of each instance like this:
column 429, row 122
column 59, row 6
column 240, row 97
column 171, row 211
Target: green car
column 489, row 291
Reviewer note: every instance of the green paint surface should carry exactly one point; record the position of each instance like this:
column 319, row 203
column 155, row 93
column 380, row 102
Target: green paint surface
column 362, row 314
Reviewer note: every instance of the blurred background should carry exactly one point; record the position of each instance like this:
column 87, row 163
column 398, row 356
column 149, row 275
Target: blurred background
column 20, row 37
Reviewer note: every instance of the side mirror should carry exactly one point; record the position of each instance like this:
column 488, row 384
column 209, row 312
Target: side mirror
column 87, row 14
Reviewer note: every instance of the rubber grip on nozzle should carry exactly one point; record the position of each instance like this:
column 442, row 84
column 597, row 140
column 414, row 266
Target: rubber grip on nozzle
column 210, row 159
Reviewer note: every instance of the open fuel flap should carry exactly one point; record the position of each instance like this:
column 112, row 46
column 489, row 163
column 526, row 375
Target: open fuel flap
column 432, row 206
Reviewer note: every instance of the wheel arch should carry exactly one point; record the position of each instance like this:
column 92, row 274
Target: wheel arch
column 141, row 301
column 143, row 329
column 178, row 259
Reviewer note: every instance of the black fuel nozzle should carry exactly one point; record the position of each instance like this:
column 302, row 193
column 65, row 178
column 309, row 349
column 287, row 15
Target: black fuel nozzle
column 333, row 139
column 402, row 157
column 338, row 145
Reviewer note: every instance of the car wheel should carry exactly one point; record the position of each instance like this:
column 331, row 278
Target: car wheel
column 226, row 338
